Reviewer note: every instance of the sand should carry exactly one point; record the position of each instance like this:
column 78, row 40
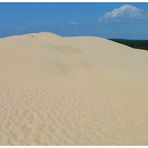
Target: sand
column 72, row 91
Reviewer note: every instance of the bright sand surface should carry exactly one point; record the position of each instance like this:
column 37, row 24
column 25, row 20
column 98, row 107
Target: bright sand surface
column 72, row 91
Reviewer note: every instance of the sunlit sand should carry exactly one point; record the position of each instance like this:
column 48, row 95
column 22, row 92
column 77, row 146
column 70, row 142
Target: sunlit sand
column 72, row 91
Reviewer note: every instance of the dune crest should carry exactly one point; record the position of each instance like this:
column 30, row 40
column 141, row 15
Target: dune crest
column 58, row 90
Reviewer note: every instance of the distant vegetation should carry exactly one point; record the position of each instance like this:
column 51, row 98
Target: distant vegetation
column 139, row 44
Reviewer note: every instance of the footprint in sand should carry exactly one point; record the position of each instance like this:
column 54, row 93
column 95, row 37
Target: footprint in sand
column 66, row 49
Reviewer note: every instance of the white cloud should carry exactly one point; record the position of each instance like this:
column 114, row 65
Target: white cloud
column 125, row 11
column 74, row 23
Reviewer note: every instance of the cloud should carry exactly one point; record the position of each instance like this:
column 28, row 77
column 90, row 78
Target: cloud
column 74, row 23
column 124, row 12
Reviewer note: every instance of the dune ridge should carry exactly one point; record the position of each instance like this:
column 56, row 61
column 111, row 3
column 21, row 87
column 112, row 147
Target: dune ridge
column 58, row 90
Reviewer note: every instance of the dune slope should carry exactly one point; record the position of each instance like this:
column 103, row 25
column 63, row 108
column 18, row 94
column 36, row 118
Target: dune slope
column 72, row 91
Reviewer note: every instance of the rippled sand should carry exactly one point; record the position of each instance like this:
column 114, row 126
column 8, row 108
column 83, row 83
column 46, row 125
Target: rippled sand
column 72, row 91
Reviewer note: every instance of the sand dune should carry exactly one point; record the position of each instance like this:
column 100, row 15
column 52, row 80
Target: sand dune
column 72, row 91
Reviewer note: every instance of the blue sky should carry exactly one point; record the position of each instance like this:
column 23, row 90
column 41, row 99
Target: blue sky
column 109, row 20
